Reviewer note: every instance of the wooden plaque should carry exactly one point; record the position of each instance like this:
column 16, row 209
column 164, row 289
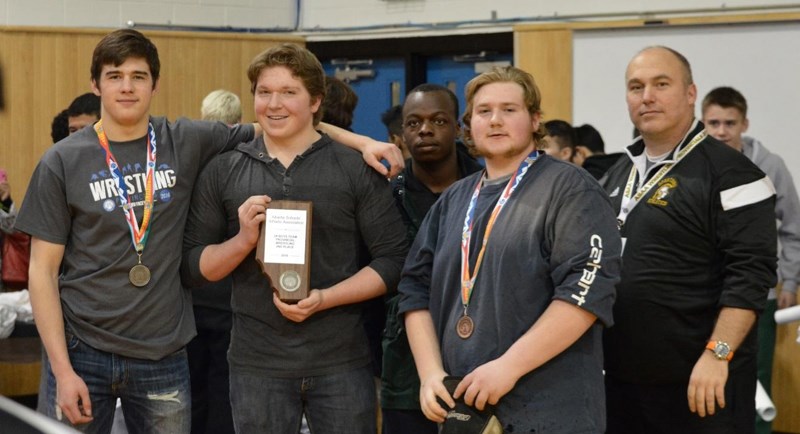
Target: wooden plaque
column 284, row 249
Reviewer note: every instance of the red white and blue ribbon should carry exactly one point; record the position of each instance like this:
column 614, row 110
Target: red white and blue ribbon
column 467, row 279
column 138, row 232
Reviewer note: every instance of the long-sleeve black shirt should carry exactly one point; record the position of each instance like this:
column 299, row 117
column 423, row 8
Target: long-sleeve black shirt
column 352, row 209
column 703, row 238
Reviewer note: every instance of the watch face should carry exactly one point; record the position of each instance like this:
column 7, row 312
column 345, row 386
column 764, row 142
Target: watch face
column 721, row 350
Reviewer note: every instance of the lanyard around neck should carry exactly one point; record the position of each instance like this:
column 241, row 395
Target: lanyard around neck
column 138, row 233
column 467, row 278
column 631, row 199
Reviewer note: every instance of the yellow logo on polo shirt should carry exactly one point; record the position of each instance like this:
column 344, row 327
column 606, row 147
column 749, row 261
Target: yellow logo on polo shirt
column 665, row 186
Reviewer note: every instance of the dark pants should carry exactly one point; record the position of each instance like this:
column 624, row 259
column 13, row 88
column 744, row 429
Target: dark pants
column 664, row 409
column 208, row 370
column 766, row 353
column 407, row 421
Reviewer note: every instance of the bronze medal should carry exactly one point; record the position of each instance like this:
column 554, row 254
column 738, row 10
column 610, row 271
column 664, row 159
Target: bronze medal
column 464, row 327
column 139, row 275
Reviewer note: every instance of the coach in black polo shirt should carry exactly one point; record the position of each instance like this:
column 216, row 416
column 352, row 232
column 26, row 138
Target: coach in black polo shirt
column 698, row 227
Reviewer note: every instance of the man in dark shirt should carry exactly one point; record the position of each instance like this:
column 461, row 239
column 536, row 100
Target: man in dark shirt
column 430, row 130
column 515, row 308
column 698, row 227
column 208, row 351
column 311, row 357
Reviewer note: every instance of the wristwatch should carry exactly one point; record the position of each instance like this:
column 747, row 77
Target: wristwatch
column 721, row 350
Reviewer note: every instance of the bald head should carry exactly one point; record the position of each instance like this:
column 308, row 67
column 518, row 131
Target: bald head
column 684, row 63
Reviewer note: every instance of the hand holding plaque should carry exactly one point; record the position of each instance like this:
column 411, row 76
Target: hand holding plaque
column 284, row 248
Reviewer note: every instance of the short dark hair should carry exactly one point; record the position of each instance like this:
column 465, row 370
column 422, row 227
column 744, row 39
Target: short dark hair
column 339, row 103
column 120, row 45
column 589, row 137
column 59, row 129
column 564, row 131
column 726, row 97
column 430, row 87
column 86, row 104
column 301, row 62
column 393, row 119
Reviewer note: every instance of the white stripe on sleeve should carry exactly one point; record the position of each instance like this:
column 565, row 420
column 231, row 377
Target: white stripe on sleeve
column 747, row 194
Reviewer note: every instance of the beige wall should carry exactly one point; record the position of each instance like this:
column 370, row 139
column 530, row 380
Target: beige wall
column 546, row 53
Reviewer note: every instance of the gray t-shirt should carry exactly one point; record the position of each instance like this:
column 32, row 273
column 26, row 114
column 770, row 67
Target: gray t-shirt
column 72, row 200
column 556, row 238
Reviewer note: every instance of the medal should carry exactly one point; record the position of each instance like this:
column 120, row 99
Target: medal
column 464, row 327
column 139, row 275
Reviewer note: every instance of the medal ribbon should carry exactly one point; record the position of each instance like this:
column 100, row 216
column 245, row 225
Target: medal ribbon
column 629, row 200
column 467, row 279
column 138, row 233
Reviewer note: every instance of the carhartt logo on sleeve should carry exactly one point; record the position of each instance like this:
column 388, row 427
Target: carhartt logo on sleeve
column 590, row 272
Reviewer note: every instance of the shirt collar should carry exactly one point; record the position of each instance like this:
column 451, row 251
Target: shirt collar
column 258, row 150
column 637, row 155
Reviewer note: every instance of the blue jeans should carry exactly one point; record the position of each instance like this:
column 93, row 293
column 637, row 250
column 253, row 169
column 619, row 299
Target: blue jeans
column 155, row 394
column 341, row 403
